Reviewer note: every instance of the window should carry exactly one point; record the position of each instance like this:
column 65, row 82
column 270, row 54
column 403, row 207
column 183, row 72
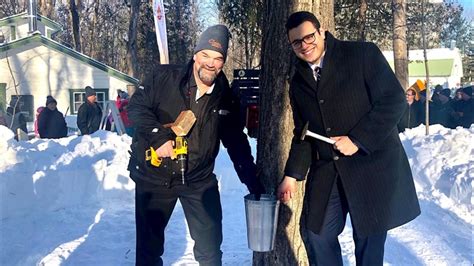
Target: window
column 3, row 96
column 12, row 33
column 25, row 105
column 78, row 97
column 49, row 32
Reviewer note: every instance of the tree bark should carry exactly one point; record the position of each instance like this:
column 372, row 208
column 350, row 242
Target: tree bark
column 362, row 19
column 93, row 51
column 46, row 7
column 132, row 59
column 400, row 53
column 75, row 25
column 323, row 9
column 276, row 124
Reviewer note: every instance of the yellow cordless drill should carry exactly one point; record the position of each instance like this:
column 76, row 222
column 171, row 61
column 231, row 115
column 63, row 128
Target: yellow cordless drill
column 181, row 128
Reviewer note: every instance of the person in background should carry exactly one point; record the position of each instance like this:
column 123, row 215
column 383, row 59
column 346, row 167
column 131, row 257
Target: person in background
column 413, row 115
column 122, row 105
column 15, row 118
column 51, row 122
column 89, row 114
column 201, row 87
column 465, row 108
column 441, row 110
column 347, row 92
column 38, row 112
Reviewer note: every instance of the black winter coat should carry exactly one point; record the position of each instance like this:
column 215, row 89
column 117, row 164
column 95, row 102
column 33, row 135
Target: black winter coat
column 160, row 102
column 89, row 116
column 412, row 116
column 360, row 97
column 51, row 124
column 442, row 114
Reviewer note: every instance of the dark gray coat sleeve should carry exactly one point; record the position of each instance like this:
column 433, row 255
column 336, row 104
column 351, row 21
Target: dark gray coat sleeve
column 299, row 159
column 235, row 140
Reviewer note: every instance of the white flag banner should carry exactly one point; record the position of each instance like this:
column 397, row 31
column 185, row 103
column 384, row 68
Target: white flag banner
column 160, row 27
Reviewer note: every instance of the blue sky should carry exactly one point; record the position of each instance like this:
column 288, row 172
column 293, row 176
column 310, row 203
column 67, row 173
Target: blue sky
column 468, row 8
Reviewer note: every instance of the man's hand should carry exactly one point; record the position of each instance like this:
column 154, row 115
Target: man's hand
column 345, row 145
column 255, row 187
column 287, row 189
column 166, row 150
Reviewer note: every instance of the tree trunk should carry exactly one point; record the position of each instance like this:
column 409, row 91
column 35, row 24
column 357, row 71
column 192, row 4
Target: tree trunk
column 132, row 59
column 323, row 9
column 400, row 53
column 75, row 25
column 276, row 124
column 46, row 7
column 427, row 84
column 362, row 19
column 93, row 51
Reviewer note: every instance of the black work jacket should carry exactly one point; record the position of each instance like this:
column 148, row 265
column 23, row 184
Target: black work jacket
column 89, row 116
column 51, row 124
column 164, row 94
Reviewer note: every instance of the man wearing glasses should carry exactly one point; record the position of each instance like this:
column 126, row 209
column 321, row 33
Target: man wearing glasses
column 346, row 91
column 413, row 115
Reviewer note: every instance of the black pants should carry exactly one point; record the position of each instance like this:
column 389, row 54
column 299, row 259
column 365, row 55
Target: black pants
column 203, row 212
column 324, row 249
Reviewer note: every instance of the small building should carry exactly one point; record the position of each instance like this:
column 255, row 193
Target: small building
column 33, row 66
column 444, row 66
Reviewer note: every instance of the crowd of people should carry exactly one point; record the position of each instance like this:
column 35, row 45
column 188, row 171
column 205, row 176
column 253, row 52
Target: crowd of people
column 445, row 110
column 50, row 123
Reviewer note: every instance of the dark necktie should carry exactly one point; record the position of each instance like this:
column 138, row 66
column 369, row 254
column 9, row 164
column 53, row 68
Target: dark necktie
column 317, row 74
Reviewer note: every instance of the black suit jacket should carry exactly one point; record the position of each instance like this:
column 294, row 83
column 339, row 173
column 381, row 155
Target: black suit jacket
column 358, row 96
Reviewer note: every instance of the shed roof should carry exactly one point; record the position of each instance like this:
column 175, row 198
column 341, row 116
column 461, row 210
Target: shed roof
column 23, row 16
column 38, row 38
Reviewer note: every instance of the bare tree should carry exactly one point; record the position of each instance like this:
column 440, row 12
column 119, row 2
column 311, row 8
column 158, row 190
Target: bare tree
column 244, row 19
column 362, row 19
column 400, row 52
column 428, row 95
column 276, row 123
column 132, row 59
column 46, row 7
column 73, row 9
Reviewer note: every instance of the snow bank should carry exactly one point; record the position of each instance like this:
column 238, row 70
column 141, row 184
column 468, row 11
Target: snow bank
column 41, row 175
column 442, row 162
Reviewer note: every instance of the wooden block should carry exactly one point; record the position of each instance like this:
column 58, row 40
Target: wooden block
column 183, row 124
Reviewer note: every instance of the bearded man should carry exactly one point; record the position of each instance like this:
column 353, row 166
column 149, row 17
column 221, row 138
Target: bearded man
column 201, row 87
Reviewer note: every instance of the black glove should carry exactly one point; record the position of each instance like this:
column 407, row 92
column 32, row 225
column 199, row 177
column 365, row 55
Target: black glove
column 255, row 187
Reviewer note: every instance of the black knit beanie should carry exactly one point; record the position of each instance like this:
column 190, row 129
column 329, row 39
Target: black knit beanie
column 50, row 99
column 89, row 91
column 214, row 38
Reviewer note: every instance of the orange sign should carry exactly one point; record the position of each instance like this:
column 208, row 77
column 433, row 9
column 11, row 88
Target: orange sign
column 159, row 15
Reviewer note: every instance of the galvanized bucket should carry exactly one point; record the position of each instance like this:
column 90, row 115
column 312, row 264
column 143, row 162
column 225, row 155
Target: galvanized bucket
column 262, row 221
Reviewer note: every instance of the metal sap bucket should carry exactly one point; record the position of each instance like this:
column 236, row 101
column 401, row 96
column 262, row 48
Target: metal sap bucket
column 262, row 221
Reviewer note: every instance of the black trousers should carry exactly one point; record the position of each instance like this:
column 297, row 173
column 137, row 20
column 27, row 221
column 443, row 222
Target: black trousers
column 203, row 212
column 324, row 249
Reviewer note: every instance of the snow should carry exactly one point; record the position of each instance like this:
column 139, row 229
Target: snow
column 70, row 202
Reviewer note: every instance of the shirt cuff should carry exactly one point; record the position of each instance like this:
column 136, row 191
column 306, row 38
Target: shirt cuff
column 298, row 177
column 359, row 145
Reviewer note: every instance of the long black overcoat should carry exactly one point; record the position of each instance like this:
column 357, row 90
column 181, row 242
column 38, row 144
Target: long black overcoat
column 360, row 97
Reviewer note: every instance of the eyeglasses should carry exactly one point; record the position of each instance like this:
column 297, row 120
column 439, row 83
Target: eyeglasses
column 308, row 39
